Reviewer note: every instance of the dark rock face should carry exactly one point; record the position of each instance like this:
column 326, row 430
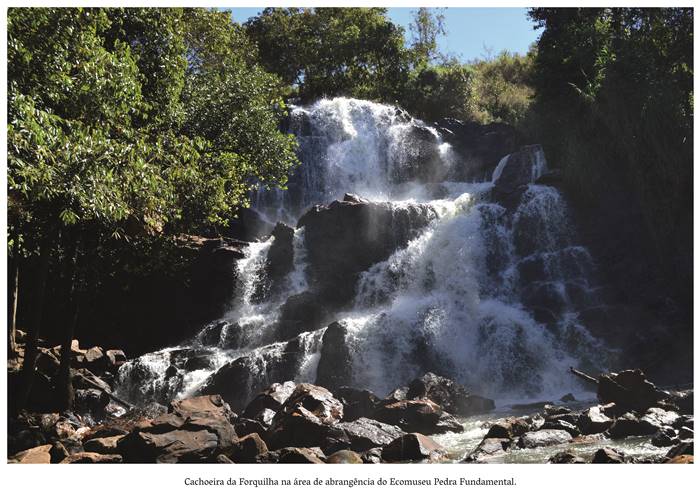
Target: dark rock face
column 335, row 365
column 629, row 425
column 630, row 390
column 280, row 258
column 249, row 226
column 516, row 175
column 364, row 434
column 665, row 437
column 544, row 438
column 271, row 398
column 412, row 447
column 356, row 403
column 304, row 419
column 248, row 449
column 448, row 394
column 345, row 238
column 422, row 416
column 480, row 146
column 300, row 313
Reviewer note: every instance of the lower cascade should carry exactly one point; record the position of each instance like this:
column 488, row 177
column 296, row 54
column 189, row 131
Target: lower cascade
column 405, row 258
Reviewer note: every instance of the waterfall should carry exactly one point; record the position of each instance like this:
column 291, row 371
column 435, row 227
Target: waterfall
column 482, row 291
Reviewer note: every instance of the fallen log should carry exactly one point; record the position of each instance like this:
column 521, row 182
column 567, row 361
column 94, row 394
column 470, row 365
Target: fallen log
column 583, row 375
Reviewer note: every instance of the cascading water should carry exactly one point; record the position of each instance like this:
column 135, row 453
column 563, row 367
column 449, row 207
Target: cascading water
column 484, row 293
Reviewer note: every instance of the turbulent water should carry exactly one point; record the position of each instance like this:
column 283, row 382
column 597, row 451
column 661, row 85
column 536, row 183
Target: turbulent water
column 461, row 299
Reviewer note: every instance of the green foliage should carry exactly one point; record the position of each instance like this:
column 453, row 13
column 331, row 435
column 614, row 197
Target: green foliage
column 614, row 93
column 333, row 51
column 426, row 27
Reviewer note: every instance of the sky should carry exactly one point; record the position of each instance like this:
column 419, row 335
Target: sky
column 471, row 32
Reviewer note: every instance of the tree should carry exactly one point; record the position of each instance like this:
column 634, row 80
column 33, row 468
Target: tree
column 333, row 51
column 427, row 25
column 111, row 137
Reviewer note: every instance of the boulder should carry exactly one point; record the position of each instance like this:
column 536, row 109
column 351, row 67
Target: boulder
column 92, row 458
column 449, row 395
column 630, row 425
column 245, row 426
column 344, row 239
column 115, row 358
column 630, row 390
column 95, row 360
column 566, row 457
column 335, row 364
column 560, row 424
column 248, row 449
column 300, row 455
column 544, row 438
column 364, row 434
column 665, row 437
column 489, row 448
column 304, row 419
column 170, row 447
column 58, row 452
column 212, row 334
column 357, row 403
column 659, row 417
column 203, row 406
column 91, row 401
column 686, row 433
column 271, row 398
column 372, row 456
column 422, row 416
column 551, row 410
column 683, row 459
column 592, row 420
column 683, row 448
column 412, row 447
column 608, row 455
column 106, row 445
column 35, row 455
column 344, row 457
column 508, row 428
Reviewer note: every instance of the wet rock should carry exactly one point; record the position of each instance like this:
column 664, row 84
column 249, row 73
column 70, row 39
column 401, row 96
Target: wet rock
column 364, row 434
column 300, row 313
column 372, row 456
column 592, row 420
column 629, row 425
column 344, row 457
column 508, row 428
column 271, row 398
column 300, row 455
column 106, row 445
column 608, row 455
column 92, row 401
column 683, row 448
column 566, row 458
column 357, row 403
column 544, row 438
column 449, row 395
column 344, row 239
column 560, row 424
column 335, row 365
column 231, row 381
column 412, row 447
column 630, row 390
column 489, row 448
column 683, row 400
column 551, row 410
column 92, row 458
column 304, row 419
column 35, row 455
column 686, row 433
column 665, row 437
column 684, row 420
column 212, row 333
column 245, row 426
column 248, row 449
column 659, row 417
column 517, row 172
column 422, row 416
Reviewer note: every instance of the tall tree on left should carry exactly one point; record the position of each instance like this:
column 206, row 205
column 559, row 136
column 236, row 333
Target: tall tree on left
column 101, row 146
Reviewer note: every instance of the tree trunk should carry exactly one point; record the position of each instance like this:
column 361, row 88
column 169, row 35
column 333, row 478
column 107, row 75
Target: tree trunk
column 64, row 385
column 13, row 273
column 34, row 331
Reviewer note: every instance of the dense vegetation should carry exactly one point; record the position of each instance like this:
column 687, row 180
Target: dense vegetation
column 130, row 127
